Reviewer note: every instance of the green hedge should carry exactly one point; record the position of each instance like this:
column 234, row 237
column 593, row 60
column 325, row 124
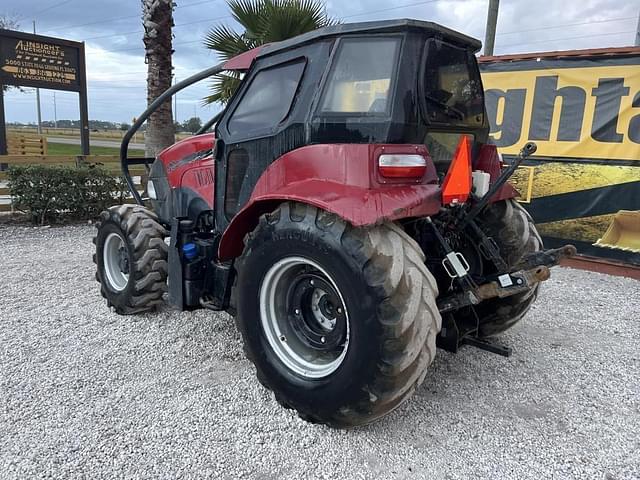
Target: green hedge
column 50, row 193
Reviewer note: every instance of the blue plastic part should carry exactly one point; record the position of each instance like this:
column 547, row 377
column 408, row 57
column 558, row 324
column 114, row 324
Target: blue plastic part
column 190, row 250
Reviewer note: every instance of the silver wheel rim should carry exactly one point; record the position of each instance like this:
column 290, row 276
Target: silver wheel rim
column 279, row 329
column 112, row 259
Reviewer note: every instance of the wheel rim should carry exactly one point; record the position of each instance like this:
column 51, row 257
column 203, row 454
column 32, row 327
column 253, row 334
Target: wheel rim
column 116, row 262
column 303, row 317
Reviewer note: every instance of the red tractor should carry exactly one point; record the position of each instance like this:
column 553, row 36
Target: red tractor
column 348, row 210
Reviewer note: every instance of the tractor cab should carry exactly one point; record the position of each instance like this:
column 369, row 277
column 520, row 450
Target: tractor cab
column 395, row 82
column 348, row 210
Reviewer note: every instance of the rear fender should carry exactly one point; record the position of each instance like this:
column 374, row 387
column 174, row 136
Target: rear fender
column 341, row 179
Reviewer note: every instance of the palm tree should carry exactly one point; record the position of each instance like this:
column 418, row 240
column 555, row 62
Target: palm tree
column 264, row 21
column 157, row 19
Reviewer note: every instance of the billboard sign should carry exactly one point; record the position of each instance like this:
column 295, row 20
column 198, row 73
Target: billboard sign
column 583, row 112
column 29, row 60
column 41, row 64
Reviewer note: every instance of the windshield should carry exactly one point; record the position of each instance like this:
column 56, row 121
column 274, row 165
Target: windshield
column 452, row 88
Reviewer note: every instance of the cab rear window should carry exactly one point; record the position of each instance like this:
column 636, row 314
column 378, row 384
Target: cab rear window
column 361, row 76
column 452, row 87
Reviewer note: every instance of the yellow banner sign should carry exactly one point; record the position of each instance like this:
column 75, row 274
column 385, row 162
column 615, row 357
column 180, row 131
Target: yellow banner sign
column 587, row 112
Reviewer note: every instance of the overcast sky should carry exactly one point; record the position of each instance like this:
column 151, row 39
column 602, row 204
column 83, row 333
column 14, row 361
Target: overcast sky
column 115, row 62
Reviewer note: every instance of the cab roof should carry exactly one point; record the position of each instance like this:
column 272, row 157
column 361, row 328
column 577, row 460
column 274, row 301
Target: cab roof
column 244, row 60
column 383, row 26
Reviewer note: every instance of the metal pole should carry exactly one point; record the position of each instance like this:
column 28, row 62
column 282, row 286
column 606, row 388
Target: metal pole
column 175, row 102
column 84, row 109
column 38, row 96
column 638, row 32
column 3, row 131
column 55, row 112
column 490, row 34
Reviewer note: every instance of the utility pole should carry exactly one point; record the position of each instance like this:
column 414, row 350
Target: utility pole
column 38, row 96
column 490, row 33
column 55, row 111
column 638, row 32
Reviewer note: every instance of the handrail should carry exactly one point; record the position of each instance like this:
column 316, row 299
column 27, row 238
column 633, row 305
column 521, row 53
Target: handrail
column 124, row 147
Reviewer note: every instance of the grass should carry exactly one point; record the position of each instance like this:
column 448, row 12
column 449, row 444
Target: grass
column 64, row 149
column 115, row 135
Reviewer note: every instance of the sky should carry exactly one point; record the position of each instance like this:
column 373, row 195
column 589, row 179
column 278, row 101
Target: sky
column 112, row 32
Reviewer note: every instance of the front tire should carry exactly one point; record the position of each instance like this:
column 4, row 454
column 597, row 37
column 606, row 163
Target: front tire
column 361, row 353
column 131, row 259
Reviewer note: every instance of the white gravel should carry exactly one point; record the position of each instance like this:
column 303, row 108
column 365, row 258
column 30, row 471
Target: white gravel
column 85, row 393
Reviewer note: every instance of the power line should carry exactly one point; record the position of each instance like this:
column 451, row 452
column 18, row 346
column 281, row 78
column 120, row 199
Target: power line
column 347, row 16
column 113, row 19
column 142, row 46
column 51, row 7
column 566, row 25
column 567, row 38
column 392, row 8
column 229, row 16
column 502, row 46
column 90, row 23
column 175, row 26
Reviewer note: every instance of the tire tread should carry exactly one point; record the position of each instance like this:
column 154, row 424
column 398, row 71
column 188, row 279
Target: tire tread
column 146, row 239
column 392, row 264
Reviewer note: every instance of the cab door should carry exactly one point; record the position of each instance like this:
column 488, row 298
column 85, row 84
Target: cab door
column 258, row 127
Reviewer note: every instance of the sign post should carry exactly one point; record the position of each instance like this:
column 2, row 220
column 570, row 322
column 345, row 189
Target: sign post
column 3, row 130
column 29, row 60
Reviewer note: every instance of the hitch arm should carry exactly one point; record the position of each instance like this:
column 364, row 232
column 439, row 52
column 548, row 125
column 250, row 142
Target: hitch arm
column 507, row 285
column 529, row 149
column 532, row 269
column 548, row 258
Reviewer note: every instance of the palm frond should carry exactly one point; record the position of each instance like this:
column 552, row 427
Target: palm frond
column 283, row 19
column 248, row 13
column 264, row 21
column 226, row 42
column 223, row 86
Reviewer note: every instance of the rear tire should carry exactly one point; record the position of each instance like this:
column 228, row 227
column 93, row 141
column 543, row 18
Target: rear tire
column 514, row 232
column 131, row 259
column 375, row 277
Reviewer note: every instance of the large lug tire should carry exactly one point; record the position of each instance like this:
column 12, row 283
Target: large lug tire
column 516, row 235
column 371, row 344
column 131, row 259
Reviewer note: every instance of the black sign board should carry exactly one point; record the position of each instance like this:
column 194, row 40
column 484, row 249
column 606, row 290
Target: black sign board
column 29, row 60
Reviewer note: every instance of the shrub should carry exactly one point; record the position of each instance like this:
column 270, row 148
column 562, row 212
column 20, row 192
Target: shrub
column 53, row 192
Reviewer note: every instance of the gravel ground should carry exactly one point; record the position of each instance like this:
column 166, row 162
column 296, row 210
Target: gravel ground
column 87, row 393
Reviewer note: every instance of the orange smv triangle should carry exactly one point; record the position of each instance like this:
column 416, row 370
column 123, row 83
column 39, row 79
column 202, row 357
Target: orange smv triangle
column 456, row 185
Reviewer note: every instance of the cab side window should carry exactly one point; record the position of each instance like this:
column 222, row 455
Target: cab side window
column 268, row 98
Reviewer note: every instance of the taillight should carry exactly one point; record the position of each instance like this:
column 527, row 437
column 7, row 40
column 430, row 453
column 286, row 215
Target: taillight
column 456, row 185
column 400, row 165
